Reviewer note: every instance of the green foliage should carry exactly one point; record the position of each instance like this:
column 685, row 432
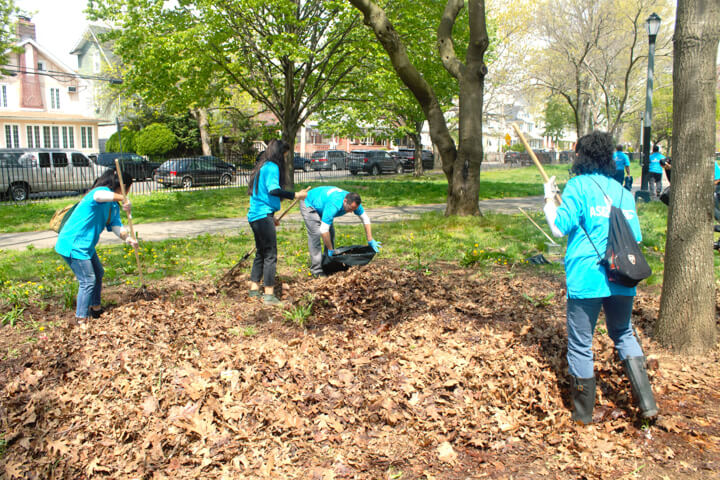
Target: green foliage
column 8, row 10
column 558, row 117
column 540, row 301
column 126, row 136
column 155, row 139
column 12, row 316
column 300, row 313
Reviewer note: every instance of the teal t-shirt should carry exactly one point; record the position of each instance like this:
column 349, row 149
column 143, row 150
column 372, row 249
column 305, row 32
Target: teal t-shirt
column 81, row 232
column 621, row 160
column 262, row 203
column 654, row 166
column 328, row 202
column 583, row 203
column 717, row 172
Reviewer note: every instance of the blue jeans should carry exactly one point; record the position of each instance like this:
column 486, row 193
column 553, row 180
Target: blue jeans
column 582, row 315
column 89, row 274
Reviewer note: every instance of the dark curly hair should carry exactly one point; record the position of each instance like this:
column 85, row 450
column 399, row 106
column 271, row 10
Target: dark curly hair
column 594, row 154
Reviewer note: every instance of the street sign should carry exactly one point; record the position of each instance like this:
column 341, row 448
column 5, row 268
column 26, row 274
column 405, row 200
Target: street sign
column 508, row 139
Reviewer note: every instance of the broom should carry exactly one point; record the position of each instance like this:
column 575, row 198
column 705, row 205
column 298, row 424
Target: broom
column 230, row 275
column 142, row 293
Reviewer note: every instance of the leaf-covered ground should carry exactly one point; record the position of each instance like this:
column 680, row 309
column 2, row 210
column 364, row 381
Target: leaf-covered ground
column 398, row 375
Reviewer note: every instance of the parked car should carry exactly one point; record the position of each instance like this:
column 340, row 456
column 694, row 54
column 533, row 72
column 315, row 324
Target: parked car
column 407, row 155
column 301, row 163
column 26, row 170
column 373, row 162
column 189, row 172
column 328, row 160
column 566, row 156
column 139, row 167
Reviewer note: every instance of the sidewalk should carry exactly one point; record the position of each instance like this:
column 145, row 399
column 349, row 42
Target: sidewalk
column 193, row 228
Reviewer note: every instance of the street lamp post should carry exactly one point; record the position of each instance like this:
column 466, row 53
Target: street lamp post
column 653, row 27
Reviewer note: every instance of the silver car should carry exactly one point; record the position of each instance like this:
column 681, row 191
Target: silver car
column 25, row 171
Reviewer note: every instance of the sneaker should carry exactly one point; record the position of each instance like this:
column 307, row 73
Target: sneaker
column 96, row 313
column 254, row 293
column 271, row 300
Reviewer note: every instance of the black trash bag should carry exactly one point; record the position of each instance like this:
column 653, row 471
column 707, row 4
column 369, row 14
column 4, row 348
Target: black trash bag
column 627, row 183
column 665, row 196
column 346, row 257
column 539, row 259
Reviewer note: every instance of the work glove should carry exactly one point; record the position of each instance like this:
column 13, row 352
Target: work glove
column 330, row 253
column 551, row 188
column 375, row 245
column 131, row 241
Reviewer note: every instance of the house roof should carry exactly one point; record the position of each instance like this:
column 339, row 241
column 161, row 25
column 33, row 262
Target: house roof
column 90, row 35
column 47, row 54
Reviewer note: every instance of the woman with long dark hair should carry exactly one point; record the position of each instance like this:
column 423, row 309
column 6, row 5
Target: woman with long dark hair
column 584, row 215
column 77, row 239
column 266, row 189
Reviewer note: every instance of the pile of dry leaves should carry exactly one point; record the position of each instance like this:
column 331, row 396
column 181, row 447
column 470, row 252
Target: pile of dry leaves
column 399, row 374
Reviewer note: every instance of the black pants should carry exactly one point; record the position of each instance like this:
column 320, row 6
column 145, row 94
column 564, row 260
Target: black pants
column 266, row 255
column 619, row 176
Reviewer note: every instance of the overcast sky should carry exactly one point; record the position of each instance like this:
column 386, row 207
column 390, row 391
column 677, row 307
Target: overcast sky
column 58, row 25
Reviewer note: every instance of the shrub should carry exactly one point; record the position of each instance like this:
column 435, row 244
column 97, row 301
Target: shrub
column 155, row 139
column 128, row 141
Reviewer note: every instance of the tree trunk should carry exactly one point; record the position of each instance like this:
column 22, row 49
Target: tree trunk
column 201, row 115
column 418, row 149
column 687, row 305
column 289, row 133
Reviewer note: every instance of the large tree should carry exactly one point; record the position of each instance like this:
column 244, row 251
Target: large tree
column 460, row 164
column 289, row 55
column 687, row 320
column 8, row 10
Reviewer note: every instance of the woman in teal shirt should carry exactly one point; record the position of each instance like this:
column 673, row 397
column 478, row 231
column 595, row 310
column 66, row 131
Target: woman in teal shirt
column 76, row 242
column 265, row 188
column 586, row 203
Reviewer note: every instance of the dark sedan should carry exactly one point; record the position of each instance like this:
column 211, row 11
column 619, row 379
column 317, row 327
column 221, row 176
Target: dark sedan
column 189, row 172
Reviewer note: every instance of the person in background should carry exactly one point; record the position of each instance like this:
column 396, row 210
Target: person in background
column 655, row 171
column 622, row 164
column 265, row 188
column 319, row 209
column 586, row 203
column 76, row 242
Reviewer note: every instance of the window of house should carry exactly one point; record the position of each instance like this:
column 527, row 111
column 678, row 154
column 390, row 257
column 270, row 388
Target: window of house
column 12, row 136
column 46, row 137
column 3, row 96
column 56, row 137
column 33, row 136
column 55, row 98
column 86, row 140
column 41, row 65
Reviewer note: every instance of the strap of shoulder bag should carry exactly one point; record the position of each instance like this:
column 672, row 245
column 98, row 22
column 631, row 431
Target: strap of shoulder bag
column 583, row 227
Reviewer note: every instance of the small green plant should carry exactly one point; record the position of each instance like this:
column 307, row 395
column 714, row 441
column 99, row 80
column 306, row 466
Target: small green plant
column 12, row 316
column 249, row 331
column 300, row 313
column 540, row 301
column 3, row 445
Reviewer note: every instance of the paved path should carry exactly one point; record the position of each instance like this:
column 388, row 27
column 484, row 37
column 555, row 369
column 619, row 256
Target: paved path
column 192, row 228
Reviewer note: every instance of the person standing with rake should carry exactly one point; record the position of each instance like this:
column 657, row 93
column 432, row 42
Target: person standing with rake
column 265, row 188
column 584, row 215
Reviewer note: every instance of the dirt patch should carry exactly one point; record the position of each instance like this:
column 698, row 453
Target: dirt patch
column 399, row 374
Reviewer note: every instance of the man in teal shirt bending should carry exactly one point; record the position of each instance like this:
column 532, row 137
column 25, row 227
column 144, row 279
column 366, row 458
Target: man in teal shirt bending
column 319, row 209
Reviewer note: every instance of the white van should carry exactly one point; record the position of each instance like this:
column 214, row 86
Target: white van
column 37, row 170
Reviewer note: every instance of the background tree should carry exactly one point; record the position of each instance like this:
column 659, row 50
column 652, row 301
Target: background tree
column 558, row 117
column 289, row 55
column 592, row 54
column 461, row 165
column 156, row 139
column 687, row 320
column 126, row 137
column 8, row 11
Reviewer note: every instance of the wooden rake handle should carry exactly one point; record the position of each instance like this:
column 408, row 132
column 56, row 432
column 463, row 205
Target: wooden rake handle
column 558, row 199
column 129, row 215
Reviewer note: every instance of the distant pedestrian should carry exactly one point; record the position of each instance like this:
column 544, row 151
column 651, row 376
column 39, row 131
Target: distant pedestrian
column 98, row 210
column 622, row 164
column 319, row 210
column 655, row 170
column 265, row 188
column 584, row 215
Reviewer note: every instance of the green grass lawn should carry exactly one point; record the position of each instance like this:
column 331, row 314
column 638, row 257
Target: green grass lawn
column 233, row 202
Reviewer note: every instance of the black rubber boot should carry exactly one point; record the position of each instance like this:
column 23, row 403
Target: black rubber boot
column 583, row 398
column 635, row 370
